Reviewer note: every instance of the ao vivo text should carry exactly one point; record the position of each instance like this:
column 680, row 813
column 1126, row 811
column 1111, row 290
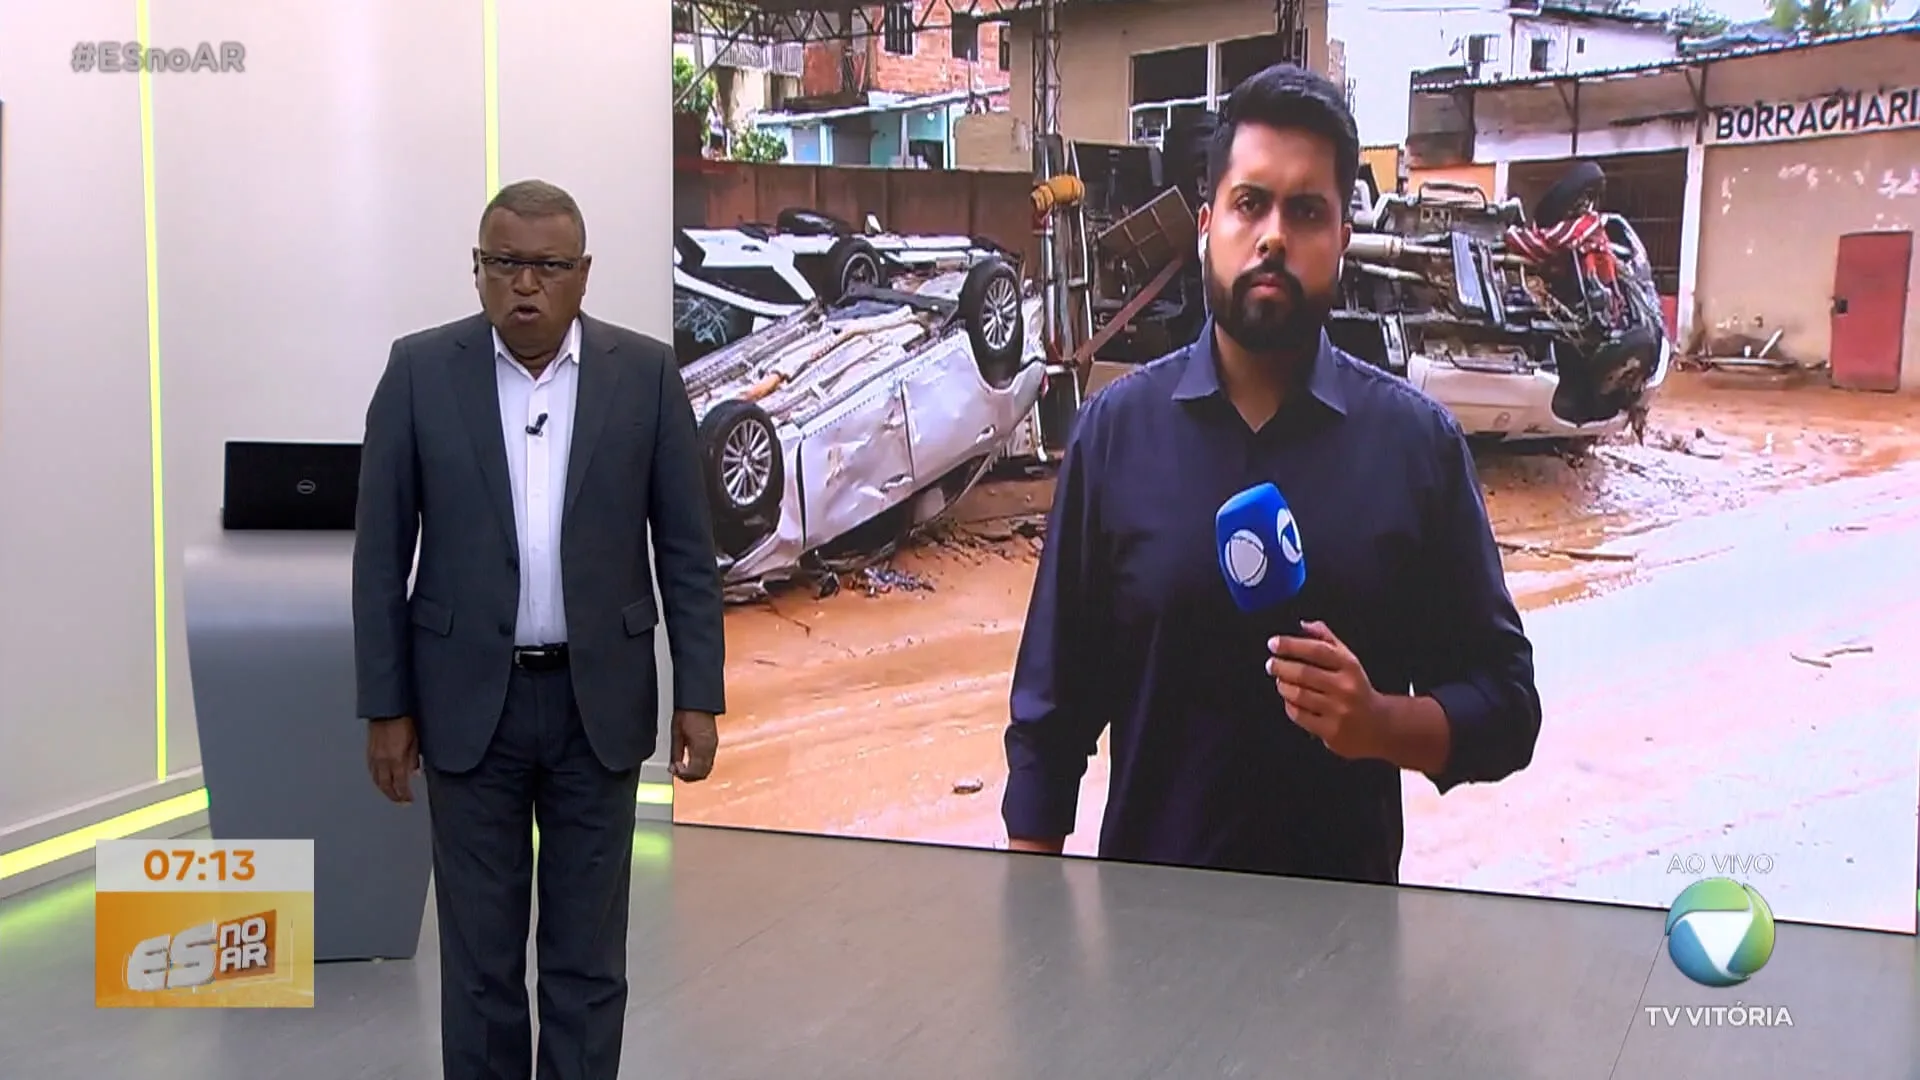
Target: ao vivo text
column 203, row 954
column 1723, row 865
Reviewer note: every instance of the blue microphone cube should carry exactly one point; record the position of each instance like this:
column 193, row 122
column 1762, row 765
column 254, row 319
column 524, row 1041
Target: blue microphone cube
column 1259, row 544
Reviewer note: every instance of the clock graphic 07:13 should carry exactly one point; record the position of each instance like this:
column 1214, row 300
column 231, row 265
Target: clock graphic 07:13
column 203, row 924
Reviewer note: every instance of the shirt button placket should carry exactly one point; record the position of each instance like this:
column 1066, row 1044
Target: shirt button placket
column 1253, row 461
column 537, row 488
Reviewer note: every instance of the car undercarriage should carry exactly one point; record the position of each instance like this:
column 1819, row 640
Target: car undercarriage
column 1541, row 328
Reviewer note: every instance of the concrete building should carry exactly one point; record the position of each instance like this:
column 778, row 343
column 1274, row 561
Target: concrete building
column 1777, row 187
column 889, row 130
column 1128, row 66
column 749, row 77
column 922, row 47
column 891, row 92
column 1395, row 42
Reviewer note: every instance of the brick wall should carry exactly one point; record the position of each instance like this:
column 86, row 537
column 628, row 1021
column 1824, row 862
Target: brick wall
column 929, row 69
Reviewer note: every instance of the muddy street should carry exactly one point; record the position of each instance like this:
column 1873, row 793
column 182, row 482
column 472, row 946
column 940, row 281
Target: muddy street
column 1684, row 596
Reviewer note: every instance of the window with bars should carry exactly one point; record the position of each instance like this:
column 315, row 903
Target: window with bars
column 896, row 28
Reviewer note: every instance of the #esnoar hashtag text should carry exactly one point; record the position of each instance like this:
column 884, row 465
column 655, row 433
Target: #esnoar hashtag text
column 125, row 56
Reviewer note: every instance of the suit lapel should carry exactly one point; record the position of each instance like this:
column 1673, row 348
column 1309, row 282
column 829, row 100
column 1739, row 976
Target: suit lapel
column 477, row 386
column 599, row 377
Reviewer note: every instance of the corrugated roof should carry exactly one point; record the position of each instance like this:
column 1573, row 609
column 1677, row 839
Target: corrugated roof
column 1032, row 7
column 1590, row 9
column 1694, row 60
column 904, row 103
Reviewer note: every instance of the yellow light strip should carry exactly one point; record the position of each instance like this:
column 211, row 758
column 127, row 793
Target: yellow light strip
column 55, row 848
column 141, row 23
column 490, row 89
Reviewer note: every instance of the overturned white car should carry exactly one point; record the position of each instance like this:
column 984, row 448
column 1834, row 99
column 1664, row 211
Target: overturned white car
column 1541, row 329
column 888, row 401
column 732, row 282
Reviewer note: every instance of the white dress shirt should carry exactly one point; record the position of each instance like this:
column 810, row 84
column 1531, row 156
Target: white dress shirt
column 537, row 465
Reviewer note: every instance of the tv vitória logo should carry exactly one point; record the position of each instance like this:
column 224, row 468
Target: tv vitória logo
column 1719, row 932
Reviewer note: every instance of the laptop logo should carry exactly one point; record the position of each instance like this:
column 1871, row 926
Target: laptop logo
column 306, row 487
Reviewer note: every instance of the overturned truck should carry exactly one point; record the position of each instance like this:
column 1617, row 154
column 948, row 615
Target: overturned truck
column 1549, row 328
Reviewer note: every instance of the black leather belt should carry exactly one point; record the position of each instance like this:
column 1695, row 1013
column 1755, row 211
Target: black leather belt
column 540, row 657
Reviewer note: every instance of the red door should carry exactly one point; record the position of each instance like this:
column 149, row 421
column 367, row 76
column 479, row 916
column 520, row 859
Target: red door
column 1870, row 309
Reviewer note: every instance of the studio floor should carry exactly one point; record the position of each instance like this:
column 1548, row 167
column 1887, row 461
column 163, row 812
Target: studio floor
column 758, row 956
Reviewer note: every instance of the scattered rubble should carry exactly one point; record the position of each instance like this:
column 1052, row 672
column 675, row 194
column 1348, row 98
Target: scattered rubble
column 1825, row 659
column 879, row 579
column 1550, row 551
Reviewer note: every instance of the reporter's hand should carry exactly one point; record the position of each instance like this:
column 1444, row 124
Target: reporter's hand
column 1327, row 692
column 393, row 756
column 1037, row 847
column 695, row 742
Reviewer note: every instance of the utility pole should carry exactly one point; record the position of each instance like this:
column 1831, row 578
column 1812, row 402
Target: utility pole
column 1049, row 161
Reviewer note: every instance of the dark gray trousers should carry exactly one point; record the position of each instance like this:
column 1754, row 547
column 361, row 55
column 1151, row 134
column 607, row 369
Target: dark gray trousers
column 539, row 771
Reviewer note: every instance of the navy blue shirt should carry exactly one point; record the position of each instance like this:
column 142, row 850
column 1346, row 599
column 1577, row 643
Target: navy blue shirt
column 1132, row 630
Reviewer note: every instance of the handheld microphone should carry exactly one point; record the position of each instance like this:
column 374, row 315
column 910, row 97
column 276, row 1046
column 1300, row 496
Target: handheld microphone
column 538, row 423
column 1259, row 546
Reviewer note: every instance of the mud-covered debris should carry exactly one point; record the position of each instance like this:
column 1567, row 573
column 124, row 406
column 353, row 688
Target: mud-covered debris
column 990, row 532
column 1539, row 550
column 972, row 785
column 875, row 580
column 1671, row 440
column 748, row 592
column 829, row 586
column 1825, row 658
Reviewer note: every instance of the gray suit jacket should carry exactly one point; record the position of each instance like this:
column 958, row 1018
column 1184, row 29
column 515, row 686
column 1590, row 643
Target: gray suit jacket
column 434, row 473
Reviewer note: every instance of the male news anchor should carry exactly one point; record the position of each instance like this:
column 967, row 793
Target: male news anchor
column 1270, row 741
column 531, row 451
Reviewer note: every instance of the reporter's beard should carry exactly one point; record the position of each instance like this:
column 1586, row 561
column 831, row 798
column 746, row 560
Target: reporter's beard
column 1256, row 327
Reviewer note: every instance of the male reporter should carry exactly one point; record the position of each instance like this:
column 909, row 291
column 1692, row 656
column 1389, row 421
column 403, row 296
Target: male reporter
column 531, row 451
column 1269, row 740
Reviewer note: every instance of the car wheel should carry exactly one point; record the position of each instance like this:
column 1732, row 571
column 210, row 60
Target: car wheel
column 995, row 317
column 746, row 473
column 851, row 262
column 1584, row 182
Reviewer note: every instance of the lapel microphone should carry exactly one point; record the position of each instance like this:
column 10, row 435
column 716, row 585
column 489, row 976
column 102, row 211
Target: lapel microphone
column 539, row 422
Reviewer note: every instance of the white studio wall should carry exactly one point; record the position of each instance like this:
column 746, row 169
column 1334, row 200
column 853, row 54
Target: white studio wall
column 287, row 222
column 77, row 669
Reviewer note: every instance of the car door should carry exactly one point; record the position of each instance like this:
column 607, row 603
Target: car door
column 952, row 416
column 855, row 462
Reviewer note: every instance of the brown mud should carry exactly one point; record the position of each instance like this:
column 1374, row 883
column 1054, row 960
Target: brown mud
column 878, row 711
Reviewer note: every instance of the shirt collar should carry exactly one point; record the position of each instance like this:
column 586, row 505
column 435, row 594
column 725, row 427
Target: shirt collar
column 569, row 347
column 1201, row 379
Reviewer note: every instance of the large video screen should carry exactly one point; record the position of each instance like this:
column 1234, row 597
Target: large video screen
column 1451, row 552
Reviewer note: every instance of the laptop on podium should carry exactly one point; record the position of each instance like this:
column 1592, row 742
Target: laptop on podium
column 291, row 486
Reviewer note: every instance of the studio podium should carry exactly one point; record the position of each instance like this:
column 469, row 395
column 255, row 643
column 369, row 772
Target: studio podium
column 269, row 623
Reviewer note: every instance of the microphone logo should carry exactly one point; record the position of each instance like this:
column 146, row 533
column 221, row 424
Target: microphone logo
column 1262, row 559
column 1246, row 558
column 1289, row 534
